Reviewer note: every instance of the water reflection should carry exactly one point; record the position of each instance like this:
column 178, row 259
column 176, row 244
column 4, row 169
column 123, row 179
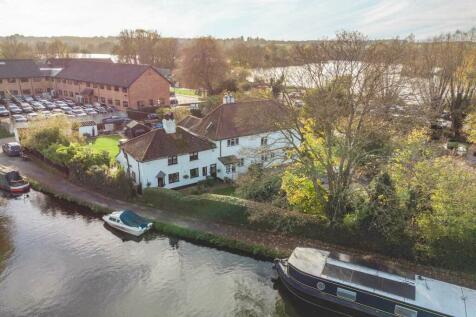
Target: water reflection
column 65, row 262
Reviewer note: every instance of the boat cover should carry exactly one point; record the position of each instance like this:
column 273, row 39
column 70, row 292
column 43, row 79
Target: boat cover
column 308, row 260
column 131, row 219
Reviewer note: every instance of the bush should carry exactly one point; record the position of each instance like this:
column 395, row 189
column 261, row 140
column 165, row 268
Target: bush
column 4, row 133
column 259, row 184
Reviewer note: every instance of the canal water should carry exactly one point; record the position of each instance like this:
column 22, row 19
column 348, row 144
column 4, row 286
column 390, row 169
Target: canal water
column 58, row 259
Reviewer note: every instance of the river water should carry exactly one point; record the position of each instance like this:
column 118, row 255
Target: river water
column 58, row 259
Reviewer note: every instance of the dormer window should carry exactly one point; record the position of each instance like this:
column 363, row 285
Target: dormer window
column 193, row 156
column 172, row 160
column 232, row 142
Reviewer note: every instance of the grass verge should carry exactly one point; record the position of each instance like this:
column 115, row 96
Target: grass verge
column 5, row 134
column 208, row 239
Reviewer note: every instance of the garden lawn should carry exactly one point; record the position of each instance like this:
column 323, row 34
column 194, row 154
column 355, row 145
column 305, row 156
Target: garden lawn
column 184, row 91
column 108, row 143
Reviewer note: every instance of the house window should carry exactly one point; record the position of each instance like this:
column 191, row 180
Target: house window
column 36, row 79
column 172, row 160
column 405, row 312
column 108, row 87
column 88, row 84
column 24, row 80
column 11, row 80
column 264, row 158
column 95, row 86
column 26, row 91
column 101, row 86
column 174, row 178
column 71, row 94
column 193, row 156
column 64, row 81
column 241, row 162
column 346, row 294
column 140, row 103
column 204, row 171
column 125, row 104
column 264, row 141
column 103, row 100
column 124, row 89
column 194, row 173
column 116, row 88
column 232, row 142
column 60, row 92
column 109, row 101
column 230, row 168
column 151, row 102
column 117, row 102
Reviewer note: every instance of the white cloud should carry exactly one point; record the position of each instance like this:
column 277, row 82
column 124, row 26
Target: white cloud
column 275, row 19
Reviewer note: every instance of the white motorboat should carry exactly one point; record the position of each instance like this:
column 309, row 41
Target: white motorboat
column 128, row 221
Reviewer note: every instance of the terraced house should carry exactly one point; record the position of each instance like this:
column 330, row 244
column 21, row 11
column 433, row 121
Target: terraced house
column 122, row 85
column 223, row 145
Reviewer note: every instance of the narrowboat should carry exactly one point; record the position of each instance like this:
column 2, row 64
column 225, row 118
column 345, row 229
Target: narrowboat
column 128, row 221
column 318, row 276
column 12, row 182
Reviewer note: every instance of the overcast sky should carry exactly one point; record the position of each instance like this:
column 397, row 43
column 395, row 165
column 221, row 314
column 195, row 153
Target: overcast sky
column 270, row 19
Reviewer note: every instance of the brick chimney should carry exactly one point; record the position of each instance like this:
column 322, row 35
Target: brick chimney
column 168, row 123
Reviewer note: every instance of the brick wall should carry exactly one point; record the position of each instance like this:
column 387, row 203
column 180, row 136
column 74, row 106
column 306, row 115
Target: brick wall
column 149, row 86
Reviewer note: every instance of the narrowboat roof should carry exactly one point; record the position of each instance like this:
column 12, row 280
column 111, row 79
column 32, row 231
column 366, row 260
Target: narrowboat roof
column 5, row 169
column 423, row 292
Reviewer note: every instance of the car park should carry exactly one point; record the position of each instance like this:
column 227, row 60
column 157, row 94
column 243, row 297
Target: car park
column 57, row 110
column 27, row 109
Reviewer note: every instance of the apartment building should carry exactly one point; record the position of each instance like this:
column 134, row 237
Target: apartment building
column 123, row 85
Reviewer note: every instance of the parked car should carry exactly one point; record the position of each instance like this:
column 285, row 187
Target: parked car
column 15, row 110
column 32, row 116
column 12, row 148
column 19, row 118
column 4, row 112
column 57, row 110
column 27, row 109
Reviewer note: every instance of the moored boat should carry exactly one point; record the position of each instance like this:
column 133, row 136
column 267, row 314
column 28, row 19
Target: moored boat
column 128, row 221
column 316, row 276
column 12, row 182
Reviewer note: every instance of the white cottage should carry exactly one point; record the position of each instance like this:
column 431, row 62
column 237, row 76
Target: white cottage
column 170, row 157
column 223, row 144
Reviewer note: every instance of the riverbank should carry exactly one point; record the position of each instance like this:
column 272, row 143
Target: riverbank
column 235, row 238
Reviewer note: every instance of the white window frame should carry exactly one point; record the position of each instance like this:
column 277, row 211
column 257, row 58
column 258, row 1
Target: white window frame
column 232, row 142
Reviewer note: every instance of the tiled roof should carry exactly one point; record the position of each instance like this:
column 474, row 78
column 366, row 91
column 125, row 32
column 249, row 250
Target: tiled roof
column 115, row 74
column 64, row 62
column 157, row 144
column 235, row 120
column 19, row 68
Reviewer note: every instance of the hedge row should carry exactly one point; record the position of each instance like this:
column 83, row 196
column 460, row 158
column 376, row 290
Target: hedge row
column 262, row 216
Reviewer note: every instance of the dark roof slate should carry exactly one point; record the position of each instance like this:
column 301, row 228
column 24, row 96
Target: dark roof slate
column 19, row 68
column 115, row 74
column 157, row 144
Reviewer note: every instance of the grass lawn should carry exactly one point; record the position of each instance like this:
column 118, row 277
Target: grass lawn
column 184, row 91
column 108, row 143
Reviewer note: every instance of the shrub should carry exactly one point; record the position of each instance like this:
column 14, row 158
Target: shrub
column 259, row 184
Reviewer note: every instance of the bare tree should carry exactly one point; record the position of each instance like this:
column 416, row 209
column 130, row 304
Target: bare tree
column 203, row 64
